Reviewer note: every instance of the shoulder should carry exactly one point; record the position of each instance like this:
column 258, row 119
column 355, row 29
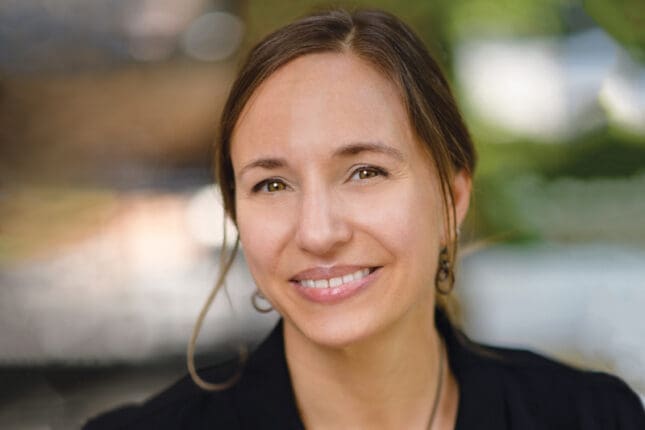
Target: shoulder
column 261, row 395
column 539, row 372
column 555, row 394
column 182, row 405
column 542, row 371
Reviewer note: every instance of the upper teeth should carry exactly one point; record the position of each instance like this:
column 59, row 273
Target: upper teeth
column 335, row 282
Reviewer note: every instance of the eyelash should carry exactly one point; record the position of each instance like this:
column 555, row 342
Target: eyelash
column 258, row 187
column 378, row 170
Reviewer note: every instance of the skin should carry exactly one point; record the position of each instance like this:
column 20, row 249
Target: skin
column 351, row 363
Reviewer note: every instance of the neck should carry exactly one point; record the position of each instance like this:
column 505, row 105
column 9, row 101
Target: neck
column 377, row 382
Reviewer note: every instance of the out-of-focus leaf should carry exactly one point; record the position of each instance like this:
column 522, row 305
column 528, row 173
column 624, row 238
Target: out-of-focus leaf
column 504, row 18
column 624, row 20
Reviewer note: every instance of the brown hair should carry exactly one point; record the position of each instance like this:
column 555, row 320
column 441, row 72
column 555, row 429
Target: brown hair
column 392, row 48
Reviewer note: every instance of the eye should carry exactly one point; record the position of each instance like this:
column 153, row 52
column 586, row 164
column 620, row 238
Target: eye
column 270, row 186
column 367, row 172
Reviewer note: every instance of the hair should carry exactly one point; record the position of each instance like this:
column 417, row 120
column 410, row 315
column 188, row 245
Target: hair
column 390, row 46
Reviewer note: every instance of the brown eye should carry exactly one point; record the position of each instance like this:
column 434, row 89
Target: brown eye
column 367, row 172
column 269, row 186
column 275, row 186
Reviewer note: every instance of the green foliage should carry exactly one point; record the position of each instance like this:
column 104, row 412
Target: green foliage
column 624, row 20
column 515, row 181
column 514, row 18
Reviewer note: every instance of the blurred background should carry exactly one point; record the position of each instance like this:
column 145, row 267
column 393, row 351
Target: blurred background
column 110, row 228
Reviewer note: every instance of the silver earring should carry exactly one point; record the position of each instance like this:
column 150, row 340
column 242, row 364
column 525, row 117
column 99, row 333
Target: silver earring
column 256, row 301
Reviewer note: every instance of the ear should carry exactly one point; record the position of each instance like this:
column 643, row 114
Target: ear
column 461, row 187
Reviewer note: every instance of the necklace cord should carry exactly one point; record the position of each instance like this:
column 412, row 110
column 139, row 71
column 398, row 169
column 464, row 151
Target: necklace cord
column 437, row 395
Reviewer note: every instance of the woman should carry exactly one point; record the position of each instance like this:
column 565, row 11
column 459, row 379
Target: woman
column 347, row 168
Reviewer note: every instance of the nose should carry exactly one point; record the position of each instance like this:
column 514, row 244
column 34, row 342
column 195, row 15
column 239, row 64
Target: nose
column 322, row 227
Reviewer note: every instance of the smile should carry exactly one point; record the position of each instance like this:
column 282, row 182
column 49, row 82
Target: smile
column 337, row 281
column 329, row 285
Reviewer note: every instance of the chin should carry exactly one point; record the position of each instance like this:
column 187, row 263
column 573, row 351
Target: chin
column 337, row 332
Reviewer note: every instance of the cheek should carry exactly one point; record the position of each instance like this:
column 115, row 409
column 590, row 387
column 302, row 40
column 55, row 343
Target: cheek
column 402, row 217
column 407, row 223
column 262, row 231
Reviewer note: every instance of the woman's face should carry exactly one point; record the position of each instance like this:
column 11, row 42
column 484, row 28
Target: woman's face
column 338, row 207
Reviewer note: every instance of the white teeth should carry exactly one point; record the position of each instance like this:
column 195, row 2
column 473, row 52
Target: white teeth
column 335, row 282
column 321, row 283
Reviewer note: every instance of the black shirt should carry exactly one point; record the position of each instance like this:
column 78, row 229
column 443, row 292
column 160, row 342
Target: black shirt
column 498, row 389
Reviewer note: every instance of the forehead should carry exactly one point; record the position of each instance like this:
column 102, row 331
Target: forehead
column 321, row 100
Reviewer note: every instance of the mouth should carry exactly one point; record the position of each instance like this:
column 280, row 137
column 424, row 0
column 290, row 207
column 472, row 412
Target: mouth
column 335, row 284
column 337, row 281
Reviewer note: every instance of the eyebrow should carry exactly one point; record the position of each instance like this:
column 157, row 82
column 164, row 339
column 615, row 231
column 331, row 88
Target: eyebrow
column 344, row 151
column 265, row 163
column 378, row 147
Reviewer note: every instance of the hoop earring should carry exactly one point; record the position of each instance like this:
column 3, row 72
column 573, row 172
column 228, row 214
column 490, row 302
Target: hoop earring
column 255, row 301
column 445, row 278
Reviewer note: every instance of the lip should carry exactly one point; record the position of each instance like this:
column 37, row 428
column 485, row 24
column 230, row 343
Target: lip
column 337, row 294
column 316, row 273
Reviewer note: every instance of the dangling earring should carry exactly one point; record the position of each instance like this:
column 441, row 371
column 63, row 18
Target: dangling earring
column 255, row 301
column 445, row 278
